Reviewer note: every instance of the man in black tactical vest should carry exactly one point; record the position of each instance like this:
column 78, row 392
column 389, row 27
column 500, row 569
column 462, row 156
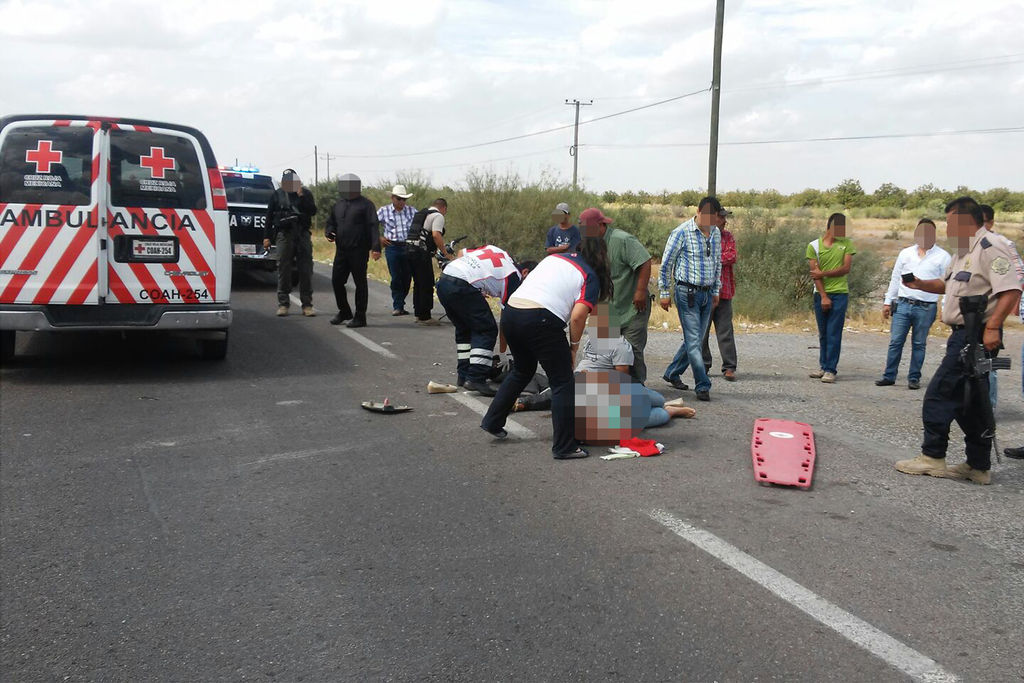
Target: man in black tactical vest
column 425, row 237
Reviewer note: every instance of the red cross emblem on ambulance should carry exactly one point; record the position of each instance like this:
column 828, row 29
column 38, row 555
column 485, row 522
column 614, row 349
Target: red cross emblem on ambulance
column 494, row 257
column 43, row 156
column 157, row 163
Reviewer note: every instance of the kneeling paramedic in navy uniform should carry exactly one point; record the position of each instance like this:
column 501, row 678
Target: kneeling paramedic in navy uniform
column 982, row 268
column 462, row 288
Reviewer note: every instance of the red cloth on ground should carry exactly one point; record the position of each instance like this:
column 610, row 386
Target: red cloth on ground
column 644, row 447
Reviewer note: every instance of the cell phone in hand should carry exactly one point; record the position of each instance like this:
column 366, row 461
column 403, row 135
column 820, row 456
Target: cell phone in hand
column 908, row 277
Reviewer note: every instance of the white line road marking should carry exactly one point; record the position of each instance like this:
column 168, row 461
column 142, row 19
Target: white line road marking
column 373, row 346
column 479, row 407
column 878, row 643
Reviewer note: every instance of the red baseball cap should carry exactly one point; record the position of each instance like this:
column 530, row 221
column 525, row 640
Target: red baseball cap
column 593, row 216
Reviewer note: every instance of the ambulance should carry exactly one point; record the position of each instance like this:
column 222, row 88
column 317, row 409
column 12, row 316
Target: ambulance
column 112, row 224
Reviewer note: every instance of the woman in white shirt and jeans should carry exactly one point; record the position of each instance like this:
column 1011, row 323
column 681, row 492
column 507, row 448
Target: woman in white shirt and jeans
column 561, row 290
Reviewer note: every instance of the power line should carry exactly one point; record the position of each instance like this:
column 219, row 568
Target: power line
column 913, row 70
column 873, row 75
column 977, row 131
column 525, row 135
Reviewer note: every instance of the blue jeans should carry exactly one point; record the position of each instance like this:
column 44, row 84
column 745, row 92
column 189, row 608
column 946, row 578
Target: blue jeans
column 694, row 320
column 830, row 330
column 916, row 317
column 659, row 415
column 401, row 274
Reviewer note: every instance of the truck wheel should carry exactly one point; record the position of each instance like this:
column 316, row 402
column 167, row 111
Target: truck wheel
column 213, row 349
column 6, row 345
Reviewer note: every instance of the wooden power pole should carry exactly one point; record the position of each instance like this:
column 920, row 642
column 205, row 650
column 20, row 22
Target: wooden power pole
column 716, row 90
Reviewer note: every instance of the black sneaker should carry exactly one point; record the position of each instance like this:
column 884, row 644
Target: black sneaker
column 677, row 383
column 703, row 396
column 497, row 434
column 1015, row 453
column 482, row 388
column 340, row 318
column 357, row 322
column 886, row 382
column 913, row 385
column 580, row 452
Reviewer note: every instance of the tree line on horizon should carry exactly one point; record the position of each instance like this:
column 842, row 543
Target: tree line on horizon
column 849, row 194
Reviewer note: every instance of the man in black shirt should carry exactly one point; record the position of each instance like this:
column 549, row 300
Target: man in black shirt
column 352, row 226
column 289, row 216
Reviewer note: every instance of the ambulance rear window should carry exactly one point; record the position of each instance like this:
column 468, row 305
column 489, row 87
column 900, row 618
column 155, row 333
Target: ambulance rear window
column 47, row 165
column 155, row 170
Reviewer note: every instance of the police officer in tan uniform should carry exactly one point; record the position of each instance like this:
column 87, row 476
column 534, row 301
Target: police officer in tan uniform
column 983, row 265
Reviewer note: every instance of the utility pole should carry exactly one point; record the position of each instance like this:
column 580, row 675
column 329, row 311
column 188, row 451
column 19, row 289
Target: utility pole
column 327, row 156
column 316, row 167
column 716, row 91
column 574, row 151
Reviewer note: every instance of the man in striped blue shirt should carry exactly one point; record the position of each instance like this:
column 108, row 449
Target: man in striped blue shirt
column 691, row 269
column 396, row 219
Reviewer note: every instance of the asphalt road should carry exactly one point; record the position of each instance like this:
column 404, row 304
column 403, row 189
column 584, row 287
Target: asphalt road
column 165, row 518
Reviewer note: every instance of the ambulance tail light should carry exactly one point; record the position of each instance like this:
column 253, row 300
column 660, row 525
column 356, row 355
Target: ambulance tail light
column 220, row 197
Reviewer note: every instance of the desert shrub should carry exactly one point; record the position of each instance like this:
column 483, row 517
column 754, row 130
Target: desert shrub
column 651, row 230
column 882, row 212
column 771, row 269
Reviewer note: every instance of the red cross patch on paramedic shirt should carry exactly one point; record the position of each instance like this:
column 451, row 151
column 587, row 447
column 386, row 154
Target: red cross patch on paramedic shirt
column 487, row 255
column 43, row 156
column 157, row 163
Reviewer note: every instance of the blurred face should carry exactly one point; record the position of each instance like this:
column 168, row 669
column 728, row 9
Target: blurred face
column 593, row 228
column 707, row 217
column 290, row 182
column 839, row 227
column 397, row 202
column 349, row 189
column 721, row 220
column 924, row 235
column 960, row 227
column 599, row 324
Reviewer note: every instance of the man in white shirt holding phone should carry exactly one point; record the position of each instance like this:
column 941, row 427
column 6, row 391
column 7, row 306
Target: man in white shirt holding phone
column 912, row 310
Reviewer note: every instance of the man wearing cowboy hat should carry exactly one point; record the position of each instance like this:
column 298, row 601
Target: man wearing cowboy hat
column 396, row 218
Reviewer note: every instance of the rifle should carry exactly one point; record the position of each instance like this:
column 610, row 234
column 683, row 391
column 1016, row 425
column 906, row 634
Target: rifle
column 978, row 362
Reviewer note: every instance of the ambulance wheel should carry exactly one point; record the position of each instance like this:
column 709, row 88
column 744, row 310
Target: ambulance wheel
column 6, row 345
column 214, row 349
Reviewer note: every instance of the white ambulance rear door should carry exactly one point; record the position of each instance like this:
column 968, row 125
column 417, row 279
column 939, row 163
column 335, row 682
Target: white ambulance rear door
column 49, row 221
column 167, row 244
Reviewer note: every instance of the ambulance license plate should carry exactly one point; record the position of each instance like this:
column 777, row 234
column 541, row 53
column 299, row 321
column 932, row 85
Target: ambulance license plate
column 146, row 249
column 154, row 249
column 245, row 249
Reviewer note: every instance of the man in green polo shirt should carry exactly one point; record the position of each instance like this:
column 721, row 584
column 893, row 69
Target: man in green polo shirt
column 829, row 258
column 630, row 265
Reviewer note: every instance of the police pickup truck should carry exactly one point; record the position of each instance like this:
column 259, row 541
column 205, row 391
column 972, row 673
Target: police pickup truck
column 248, row 193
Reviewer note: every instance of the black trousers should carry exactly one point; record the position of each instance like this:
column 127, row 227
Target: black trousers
column 536, row 335
column 945, row 401
column 350, row 261
column 475, row 329
column 294, row 247
column 422, row 269
column 721, row 318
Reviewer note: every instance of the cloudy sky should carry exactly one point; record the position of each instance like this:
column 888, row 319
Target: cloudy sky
column 382, row 86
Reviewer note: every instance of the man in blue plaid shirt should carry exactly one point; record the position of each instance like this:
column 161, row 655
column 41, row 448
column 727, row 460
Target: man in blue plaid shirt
column 691, row 269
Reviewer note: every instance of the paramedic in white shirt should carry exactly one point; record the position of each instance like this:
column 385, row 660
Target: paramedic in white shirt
column 912, row 310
